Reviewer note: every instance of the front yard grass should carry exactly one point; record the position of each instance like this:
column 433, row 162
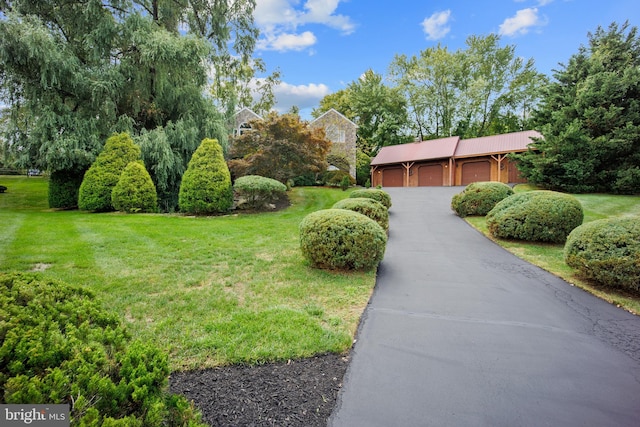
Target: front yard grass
column 208, row 290
column 551, row 256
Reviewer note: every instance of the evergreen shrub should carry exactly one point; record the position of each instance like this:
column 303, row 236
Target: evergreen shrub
column 607, row 251
column 375, row 194
column 366, row 206
column 206, row 184
column 479, row 198
column 58, row 346
column 334, row 178
column 543, row 216
column 258, row 190
column 102, row 176
column 340, row 239
column 135, row 191
column 64, row 186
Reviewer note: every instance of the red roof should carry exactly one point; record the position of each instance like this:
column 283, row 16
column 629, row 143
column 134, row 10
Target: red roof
column 455, row 147
column 426, row 150
column 507, row 143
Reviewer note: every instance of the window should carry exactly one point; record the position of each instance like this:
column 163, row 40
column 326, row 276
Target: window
column 335, row 134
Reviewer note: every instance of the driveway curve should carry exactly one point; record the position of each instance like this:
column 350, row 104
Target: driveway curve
column 460, row 332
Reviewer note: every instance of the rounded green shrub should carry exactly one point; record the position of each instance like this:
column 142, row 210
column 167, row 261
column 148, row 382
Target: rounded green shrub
column 58, row 346
column 206, row 184
column 102, row 176
column 607, row 251
column 369, row 207
column 340, row 239
column 64, row 186
column 334, row 178
column 254, row 192
column 479, row 198
column 135, row 191
column 543, row 216
column 375, row 194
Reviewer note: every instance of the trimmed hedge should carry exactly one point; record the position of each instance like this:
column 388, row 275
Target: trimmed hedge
column 103, row 175
column 335, row 178
column 375, row 194
column 135, row 191
column 58, row 346
column 479, row 198
column 206, row 184
column 607, row 251
column 258, row 190
column 340, row 239
column 543, row 216
column 64, row 187
column 369, row 207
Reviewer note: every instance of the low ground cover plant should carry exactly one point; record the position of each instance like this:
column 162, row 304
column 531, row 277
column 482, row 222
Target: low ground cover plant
column 479, row 198
column 375, row 194
column 58, row 345
column 607, row 251
column 135, row 191
column 543, row 216
column 340, row 239
column 254, row 192
column 366, row 206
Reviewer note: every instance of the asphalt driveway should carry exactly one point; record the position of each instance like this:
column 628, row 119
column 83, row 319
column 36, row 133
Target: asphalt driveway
column 459, row 332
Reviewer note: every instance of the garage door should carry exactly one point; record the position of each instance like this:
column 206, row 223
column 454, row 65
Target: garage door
column 392, row 178
column 430, row 176
column 476, row 171
column 514, row 174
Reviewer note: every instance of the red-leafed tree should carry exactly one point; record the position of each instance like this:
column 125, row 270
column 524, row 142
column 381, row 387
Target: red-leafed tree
column 281, row 147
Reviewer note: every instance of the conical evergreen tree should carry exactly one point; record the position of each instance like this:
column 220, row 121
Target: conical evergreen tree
column 135, row 191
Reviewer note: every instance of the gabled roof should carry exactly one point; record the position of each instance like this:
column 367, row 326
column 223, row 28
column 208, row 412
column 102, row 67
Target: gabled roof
column 496, row 144
column 250, row 113
column 334, row 111
column 414, row 151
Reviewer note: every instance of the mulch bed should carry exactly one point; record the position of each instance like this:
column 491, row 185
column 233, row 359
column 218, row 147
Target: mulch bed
column 294, row 393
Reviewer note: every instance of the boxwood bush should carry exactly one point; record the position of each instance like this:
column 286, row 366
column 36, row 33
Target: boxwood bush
column 206, row 184
column 58, row 346
column 102, row 176
column 543, row 216
column 607, row 251
column 340, row 239
column 479, row 198
column 375, row 194
column 369, row 207
column 64, row 186
column 135, row 191
column 256, row 191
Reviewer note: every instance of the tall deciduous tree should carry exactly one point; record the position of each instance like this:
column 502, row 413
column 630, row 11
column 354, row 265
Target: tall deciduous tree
column 281, row 147
column 590, row 118
column 74, row 72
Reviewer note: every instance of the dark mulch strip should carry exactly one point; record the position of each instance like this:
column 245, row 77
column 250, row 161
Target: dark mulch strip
column 295, row 393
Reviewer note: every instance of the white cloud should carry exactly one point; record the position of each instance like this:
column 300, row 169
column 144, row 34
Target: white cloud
column 521, row 23
column 279, row 20
column 302, row 96
column 437, row 25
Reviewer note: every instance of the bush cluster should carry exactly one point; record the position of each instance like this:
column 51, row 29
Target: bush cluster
column 335, row 178
column 479, row 198
column 64, row 187
column 368, row 207
column 58, row 346
column 544, row 216
column 607, row 251
column 135, row 191
column 375, row 194
column 206, row 184
column 97, row 185
column 257, row 191
column 340, row 239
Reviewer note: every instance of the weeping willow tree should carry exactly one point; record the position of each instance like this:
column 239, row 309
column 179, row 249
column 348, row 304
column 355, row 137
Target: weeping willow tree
column 74, row 72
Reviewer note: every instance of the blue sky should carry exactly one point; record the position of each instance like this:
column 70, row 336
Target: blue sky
column 320, row 46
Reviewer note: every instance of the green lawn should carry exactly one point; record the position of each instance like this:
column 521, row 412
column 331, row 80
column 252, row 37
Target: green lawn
column 208, row 290
column 551, row 256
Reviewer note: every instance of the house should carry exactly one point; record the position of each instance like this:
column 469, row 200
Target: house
column 341, row 131
column 451, row 161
